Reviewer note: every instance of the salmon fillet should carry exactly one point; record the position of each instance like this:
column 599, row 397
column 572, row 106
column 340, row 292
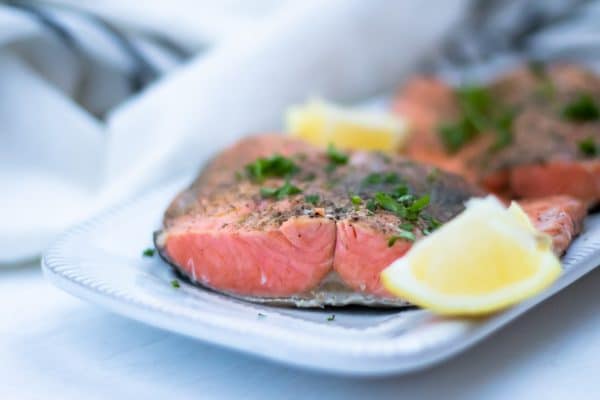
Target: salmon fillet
column 561, row 217
column 223, row 233
column 552, row 136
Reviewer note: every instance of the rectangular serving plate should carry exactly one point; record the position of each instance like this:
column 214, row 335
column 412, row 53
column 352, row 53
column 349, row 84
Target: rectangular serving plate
column 100, row 261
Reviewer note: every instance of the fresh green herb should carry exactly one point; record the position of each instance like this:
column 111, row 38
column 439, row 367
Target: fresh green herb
column 261, row 315
column 331, row 317
column 414, row 209
column 335, row 156
column 432, row 223
column 419, row 204
column 402, row 234
column 312, row 199
column 377, row 178
column 287, row 189
column 274, row 166
column 371, row 205
column 407, row 226
column 479, row 113
column 588, row 147
column 387, row 202
column 175, row 284
column 582, row 109
column 391, row 177
column 503, row 130
column 406, row 199
column 476, row 104
column 400, row 191
column 356, row 200
column 372, row 179
column 456, row 135
column 149, row 252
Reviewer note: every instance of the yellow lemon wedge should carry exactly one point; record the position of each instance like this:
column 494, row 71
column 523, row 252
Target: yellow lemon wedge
column 322, row 123
column 486, row 259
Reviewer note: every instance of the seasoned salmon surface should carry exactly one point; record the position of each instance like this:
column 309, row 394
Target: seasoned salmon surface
column 275, row 217
column 532, row 133
column 223, row 232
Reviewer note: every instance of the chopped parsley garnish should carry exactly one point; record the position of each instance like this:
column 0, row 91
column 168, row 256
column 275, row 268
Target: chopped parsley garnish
column 402, row 234
column 274, row 166
column 404, row 206
column 356, row 200
column 582, row 109
column 388, row 203
column 405, row 198
column 312, row 199
column 371, row 205
column 377, row 178
column 432, row 223
column 287, row 189
column 331, row 317
column 588, row 147
column 407, row 207
column 335, row 156
column 372, row 179
column 175, row 284
column 503, row 130
column 407, row 226
column 391, row 177
column 479, row 113
column 400, row 191
column 419, row 204
column 149, row 252
column 456, row 135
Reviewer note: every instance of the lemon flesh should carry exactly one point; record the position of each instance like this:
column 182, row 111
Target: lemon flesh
column 321, row 123
column 484, row 260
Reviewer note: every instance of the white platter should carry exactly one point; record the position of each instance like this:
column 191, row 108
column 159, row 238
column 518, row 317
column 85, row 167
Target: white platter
column 100, row 261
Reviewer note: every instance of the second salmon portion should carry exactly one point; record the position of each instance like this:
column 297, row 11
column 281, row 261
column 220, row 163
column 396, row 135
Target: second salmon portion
column 275, row 217
column 532, row 133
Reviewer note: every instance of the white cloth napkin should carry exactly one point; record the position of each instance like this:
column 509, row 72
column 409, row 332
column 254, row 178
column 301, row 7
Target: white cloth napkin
column 60, row 164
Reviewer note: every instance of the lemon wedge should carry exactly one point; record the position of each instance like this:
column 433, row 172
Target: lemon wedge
column 486, row 259
column 322, row 123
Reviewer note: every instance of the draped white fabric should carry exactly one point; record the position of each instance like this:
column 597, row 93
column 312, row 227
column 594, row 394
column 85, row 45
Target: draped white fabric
column 75, row 139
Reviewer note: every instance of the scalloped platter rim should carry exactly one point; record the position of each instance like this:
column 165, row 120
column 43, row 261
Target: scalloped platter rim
column 100, row 261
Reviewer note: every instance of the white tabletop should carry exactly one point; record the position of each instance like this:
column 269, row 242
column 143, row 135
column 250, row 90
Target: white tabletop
column 53, row 345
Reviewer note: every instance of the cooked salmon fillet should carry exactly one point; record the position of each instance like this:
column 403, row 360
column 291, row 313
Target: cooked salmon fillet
column 552, row 142
column 224, row 233
column 561, row 217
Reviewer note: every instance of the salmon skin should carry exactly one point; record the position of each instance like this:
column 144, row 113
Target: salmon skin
column 550, row 143
column 326, row 241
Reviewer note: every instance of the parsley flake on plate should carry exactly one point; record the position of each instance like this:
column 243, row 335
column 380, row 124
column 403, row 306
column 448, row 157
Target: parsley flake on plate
column 149, row 252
